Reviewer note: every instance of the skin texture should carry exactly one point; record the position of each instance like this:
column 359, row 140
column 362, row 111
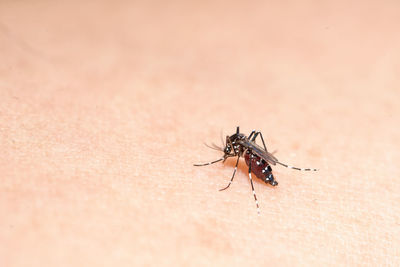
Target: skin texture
column 105, row 107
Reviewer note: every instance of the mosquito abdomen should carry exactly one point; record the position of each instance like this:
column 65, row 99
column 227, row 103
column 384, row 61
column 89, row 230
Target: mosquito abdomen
column 260, row 168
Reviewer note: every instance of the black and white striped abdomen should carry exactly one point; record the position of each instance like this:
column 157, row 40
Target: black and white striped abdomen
column 260, row 168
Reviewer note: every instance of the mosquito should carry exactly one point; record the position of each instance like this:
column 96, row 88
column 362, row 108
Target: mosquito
column 256, row 157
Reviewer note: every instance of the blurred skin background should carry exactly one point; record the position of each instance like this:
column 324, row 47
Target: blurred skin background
column 105, row 106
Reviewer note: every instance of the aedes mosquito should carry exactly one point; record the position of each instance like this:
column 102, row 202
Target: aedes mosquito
column 257, row 158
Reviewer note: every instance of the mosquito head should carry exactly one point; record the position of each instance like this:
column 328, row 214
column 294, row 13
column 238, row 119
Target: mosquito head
column 232, row 146
column 228, row 149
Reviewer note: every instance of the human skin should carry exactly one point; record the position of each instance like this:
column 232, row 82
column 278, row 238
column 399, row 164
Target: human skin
column 105, row 108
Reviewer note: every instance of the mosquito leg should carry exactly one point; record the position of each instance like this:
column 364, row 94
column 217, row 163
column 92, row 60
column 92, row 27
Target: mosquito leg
column 209, row 163
column 251, row 134
column 283, row 164
column 237, row 163
column 296, row 168
column 262, row 139
column 252, row 187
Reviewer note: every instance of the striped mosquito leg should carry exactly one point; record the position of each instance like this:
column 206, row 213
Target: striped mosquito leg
column 252, row 188
column 262, row 139
column 237, row 162
column 209, row 163
column 296, row 168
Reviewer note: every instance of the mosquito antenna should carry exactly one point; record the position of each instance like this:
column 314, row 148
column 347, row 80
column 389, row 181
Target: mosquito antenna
column 222, row 139
column 220, row 148
column 214, row 146
column 296, row 168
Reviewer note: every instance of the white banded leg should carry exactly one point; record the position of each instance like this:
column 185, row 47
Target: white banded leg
column 209, row 163
column 296, row 168
column 237, row 162
column 252, row 188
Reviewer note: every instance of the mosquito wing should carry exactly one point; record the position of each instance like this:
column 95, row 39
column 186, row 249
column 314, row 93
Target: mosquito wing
column 260, row 151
